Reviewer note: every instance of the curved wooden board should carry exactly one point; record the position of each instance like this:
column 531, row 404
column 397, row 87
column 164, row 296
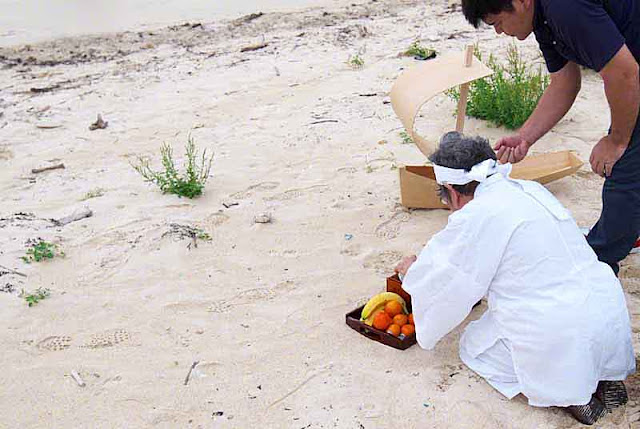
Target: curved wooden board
column 419, row 84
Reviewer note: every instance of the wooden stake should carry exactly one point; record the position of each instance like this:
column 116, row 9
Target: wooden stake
column 464, row 92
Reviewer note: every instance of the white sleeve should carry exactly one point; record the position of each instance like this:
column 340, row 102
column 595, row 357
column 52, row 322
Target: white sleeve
column 453, row 272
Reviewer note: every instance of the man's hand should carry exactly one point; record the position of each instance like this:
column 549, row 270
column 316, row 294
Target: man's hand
column 605, row 154
column 511, row 149
column 404, row 265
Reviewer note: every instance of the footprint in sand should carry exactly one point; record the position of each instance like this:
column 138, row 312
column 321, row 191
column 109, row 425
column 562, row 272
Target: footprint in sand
column 220, row 307
column 352, row 250
column 288, row 253
column 55, row 343
column 296, row 193
column 390, row 228
column 383, row 262
column 347, row 170
column 250, row 296
column 263, row 186
column 186, row 307
column 630, row 272
column 5, row 153
column 215, row 219
column 107, row 339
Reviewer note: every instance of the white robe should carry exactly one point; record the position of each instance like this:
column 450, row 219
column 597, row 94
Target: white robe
column 555, row 313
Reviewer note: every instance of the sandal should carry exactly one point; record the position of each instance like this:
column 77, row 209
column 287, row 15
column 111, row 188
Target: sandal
column 589, row 413
column 612, row 393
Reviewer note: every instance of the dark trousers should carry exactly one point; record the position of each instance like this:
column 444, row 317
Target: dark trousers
column 616, row 231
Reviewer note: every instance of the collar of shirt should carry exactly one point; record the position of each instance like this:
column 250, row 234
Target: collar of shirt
column 491, row 180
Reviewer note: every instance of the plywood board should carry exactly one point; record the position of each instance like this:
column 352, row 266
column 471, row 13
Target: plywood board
column 418, row 188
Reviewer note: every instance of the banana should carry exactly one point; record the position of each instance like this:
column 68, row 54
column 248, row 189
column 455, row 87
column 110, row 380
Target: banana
column 378, row 302
column 369, row 320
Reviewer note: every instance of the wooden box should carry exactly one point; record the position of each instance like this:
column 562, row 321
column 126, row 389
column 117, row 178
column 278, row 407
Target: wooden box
column 353, row 320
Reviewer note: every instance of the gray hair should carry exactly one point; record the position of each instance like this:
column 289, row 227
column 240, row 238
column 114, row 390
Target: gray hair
column 461, row 152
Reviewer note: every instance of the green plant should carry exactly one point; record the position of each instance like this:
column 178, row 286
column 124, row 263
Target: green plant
column 406, row 138
column 355, row 61
column 418, row 51
column 190, row 184
column 35, row 297
column 509, row 95
column 94, row 193
column 40, row 250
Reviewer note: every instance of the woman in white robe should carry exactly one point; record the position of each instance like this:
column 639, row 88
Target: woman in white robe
column 557, row 322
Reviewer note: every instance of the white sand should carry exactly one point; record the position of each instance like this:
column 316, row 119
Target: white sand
column 261, row 306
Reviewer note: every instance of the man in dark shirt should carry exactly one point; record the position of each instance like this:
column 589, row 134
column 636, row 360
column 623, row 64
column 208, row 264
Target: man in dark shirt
column 603, row 35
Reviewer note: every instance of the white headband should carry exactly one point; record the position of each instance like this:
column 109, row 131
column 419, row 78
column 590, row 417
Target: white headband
column 478, row 172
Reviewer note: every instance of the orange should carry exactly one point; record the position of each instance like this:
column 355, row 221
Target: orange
column 411, row 322
column 400, row 319
column 382, row 321
column 393, row 330
column 392, row 308
column 407, row 330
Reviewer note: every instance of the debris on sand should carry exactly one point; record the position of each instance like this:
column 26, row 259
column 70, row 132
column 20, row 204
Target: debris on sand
column 255, row 47
column 47, row 168
column 99, row 124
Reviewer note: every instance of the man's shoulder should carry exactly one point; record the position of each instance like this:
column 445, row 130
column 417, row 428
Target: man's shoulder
column 565, row 10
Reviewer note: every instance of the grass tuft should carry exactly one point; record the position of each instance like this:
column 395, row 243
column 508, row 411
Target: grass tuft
column 190, row 184
column 35, row 297
column 419, row 52
column 94, row 193
column 40, row 250
column 509, row 96
column 355, row 62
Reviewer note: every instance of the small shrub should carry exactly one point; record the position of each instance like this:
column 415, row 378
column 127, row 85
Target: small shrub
column 355, row 61
column 419, row 52
column 40, row 250
column 406, row 138
column 190, row 184
column 35, row 297
column 509, row 95
column 94, row 193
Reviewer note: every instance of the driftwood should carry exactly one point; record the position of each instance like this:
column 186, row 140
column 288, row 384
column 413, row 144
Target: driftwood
column 324, row 121
column 45, row 89
column 50, row 167
column 77, row 378
column 193, row 366
column 75, row 216
column 10, row 271
column 254, row 47
column 47, row 126
column 247, row 18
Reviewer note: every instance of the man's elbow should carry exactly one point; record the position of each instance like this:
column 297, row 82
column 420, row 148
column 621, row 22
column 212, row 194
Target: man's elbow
column 567, row 80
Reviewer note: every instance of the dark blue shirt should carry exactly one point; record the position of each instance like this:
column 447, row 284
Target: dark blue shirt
column 586, row 32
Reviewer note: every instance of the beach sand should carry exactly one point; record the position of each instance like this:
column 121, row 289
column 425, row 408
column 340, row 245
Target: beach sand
column 260, row 307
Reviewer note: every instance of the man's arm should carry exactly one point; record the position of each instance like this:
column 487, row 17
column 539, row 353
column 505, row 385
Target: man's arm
column 555, row 102
column 622, row 87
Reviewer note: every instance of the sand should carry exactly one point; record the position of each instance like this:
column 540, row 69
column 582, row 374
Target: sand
column 260, row 306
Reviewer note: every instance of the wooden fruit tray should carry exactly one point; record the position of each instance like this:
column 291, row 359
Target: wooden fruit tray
column 353, row 320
